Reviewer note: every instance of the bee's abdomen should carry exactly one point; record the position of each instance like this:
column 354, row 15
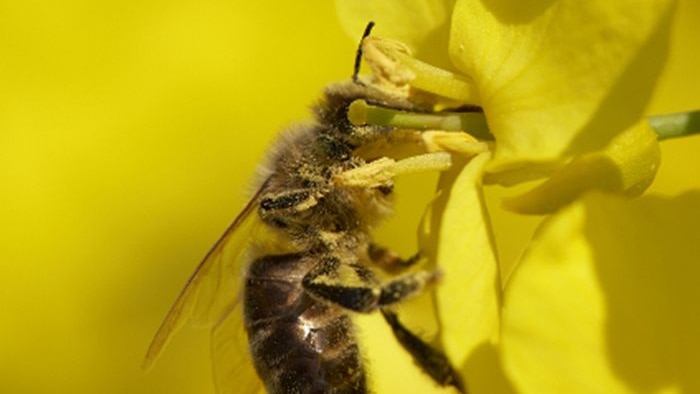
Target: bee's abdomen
column 299, row 345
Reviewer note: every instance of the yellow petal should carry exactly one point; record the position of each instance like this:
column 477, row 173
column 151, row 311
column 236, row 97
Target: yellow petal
column 627, row 166
column 605, row 300
column 557, row 78
column 468, row 299
column 422, row 24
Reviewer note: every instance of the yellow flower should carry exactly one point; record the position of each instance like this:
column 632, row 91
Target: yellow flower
column 555, row 77
column 600, row 294
column 554, row 82
column 605, row 300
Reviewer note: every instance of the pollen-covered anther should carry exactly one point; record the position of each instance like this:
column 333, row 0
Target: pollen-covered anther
column 382, row 171
column 459, row 143
column 388, row 70
column 396, row 69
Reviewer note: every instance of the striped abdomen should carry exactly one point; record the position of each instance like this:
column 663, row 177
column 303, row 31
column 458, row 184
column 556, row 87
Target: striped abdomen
column 299, row 345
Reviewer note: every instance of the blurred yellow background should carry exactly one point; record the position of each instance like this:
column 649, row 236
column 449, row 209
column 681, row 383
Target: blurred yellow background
column 128, row 133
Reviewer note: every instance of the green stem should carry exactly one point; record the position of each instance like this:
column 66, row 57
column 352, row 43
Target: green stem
column 675, row 125
column 360, row 113
column 474, row 123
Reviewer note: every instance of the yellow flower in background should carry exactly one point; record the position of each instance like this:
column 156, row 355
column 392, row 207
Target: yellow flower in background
column 564, row 86
column 604, row 301
column 128, row 134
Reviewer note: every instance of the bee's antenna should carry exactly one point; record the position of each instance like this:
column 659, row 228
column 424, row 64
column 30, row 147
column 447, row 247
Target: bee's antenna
column 358, row 55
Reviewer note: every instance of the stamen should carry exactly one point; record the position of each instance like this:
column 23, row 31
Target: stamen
column 474, row 123
column 392, row 60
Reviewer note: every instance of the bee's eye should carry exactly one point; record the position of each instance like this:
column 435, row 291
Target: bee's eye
column 386, row 189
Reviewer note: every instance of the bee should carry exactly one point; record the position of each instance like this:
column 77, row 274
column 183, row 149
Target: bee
column 299, row 259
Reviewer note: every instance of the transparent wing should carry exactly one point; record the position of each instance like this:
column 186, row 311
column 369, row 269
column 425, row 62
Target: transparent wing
column 233, row 366
column 213, row 287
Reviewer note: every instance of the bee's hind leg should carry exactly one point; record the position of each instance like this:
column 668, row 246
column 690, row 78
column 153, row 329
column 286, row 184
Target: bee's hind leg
column 431, row 360
column 354, row 287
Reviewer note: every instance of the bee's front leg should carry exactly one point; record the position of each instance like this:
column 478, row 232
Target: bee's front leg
column 354, row 287
column 389, row 260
